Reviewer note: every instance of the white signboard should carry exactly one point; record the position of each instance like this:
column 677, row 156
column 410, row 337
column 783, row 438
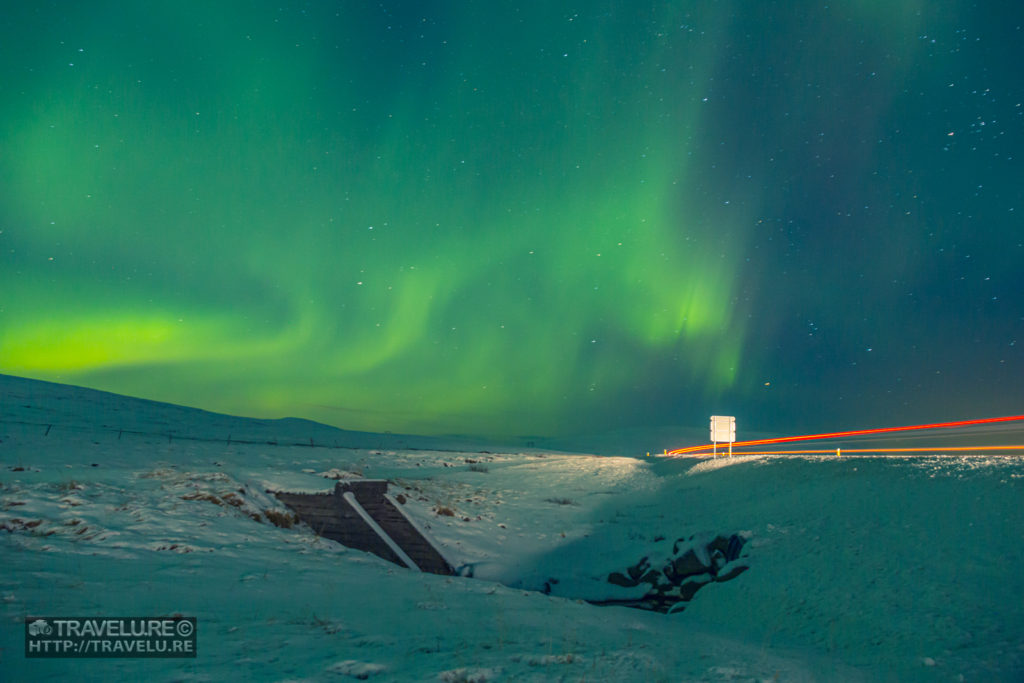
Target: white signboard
column 723, row 429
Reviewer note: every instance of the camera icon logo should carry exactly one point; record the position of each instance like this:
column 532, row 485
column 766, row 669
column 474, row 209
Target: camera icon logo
column 39, row 627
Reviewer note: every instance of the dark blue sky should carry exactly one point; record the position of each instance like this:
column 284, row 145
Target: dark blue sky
column 543, row 218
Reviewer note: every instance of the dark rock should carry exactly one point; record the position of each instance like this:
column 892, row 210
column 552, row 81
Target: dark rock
column 735, row 546
column 697, row 561
column 637, row 570
column 691, row 562
column 650, row 577
column 731, row 571
column 620, row 579
column 689, row 587
column 720, row 543
column 717, row 560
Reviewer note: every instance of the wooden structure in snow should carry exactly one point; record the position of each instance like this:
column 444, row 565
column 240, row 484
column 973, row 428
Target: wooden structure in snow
column 360, row 514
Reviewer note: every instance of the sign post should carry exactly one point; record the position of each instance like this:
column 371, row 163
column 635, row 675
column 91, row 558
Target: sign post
column 723, row 429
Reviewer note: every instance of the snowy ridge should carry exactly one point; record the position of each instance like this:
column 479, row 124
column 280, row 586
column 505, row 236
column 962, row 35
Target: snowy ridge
column 47, row 406
column 867, row 569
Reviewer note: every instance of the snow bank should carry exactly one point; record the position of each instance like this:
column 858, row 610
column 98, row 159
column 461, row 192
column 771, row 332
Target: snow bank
column 860, row 569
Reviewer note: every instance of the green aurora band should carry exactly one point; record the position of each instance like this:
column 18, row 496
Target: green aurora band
column 417, row 218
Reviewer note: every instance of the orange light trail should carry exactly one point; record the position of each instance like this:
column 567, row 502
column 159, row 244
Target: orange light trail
column 832, row 451
column 857, row 432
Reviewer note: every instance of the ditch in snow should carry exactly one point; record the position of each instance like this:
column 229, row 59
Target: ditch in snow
column 360, row 514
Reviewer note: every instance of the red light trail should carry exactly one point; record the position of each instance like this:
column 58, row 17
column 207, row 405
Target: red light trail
column 856, row 432
column 846, row 451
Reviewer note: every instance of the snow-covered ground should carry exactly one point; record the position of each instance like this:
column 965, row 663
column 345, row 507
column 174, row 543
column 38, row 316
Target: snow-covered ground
column 871, row 569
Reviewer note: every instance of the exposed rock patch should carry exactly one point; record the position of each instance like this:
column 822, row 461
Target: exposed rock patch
column 694, row 563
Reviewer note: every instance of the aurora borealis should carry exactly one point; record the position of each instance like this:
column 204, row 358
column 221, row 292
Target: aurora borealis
column 519, row 218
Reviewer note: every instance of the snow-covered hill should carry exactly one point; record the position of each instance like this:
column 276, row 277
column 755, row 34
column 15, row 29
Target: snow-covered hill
column 860, row 568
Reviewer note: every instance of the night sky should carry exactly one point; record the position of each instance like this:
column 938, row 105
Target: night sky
column 533, row 218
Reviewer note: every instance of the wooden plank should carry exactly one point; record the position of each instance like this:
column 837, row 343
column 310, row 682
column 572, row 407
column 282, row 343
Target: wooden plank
column 330, row 516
